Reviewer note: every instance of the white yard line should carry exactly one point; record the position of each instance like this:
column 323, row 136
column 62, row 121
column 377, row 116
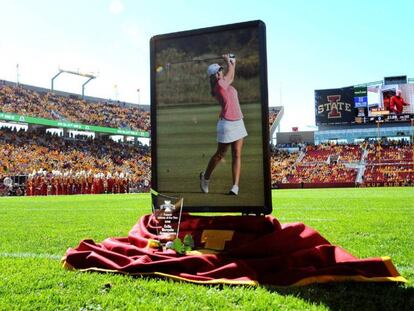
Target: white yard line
column 31, row 255
column 305, row 219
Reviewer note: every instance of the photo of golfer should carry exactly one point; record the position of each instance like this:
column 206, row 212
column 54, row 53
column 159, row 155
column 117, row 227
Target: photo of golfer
column 209, row 121
column 230, row 126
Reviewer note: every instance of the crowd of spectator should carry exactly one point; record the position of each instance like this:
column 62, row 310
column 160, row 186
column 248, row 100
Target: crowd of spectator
column 322, row 173
column 55, row 165
column 282, row 165
column 390, row 152
column 38, row 154
column 314, row 166
column 342, row 153
column 27, row 102
column 58, row 165
column 387, row 163
column 394, row 174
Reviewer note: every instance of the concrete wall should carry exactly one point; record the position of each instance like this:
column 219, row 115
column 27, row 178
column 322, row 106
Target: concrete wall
column 295, row 137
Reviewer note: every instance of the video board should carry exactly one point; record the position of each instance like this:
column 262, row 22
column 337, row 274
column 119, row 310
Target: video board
column 364, row 104
column 187, row 117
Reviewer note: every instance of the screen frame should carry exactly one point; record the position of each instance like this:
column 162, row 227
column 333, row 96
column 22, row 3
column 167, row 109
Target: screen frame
column 267, row 207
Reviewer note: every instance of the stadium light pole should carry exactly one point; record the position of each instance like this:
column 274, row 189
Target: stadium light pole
column 84, row 84
column 378, row 130
column 77, row 73
column 17, row 74
column 280, row 93
column 379, row 138
column 139, row 97
column 53, row 79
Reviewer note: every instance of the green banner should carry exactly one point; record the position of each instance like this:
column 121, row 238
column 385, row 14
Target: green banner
column 360, row 91
column 70, row 125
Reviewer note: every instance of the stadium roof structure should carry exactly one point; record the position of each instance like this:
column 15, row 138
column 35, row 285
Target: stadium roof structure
column 384, row 81
column 90, row 76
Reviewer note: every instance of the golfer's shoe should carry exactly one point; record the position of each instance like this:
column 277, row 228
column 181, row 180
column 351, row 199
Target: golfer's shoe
column 203, row 183
column 234, row 190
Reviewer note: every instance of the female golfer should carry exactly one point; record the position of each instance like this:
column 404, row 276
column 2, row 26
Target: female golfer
column 230, row 127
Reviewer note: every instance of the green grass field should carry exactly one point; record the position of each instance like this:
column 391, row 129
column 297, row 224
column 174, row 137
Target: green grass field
column 35, row 232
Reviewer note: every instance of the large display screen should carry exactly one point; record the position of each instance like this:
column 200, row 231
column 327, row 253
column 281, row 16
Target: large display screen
column 334, row 106
column 191, row 125
column 365, row 104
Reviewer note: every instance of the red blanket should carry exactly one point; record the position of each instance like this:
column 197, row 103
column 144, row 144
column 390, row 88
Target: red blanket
column 255, row 250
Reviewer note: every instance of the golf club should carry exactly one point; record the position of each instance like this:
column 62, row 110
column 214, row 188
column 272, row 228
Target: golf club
column 202, row 59
column 194, row 59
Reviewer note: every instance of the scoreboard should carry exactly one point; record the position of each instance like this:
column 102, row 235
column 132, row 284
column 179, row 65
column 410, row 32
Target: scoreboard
column 364, row 104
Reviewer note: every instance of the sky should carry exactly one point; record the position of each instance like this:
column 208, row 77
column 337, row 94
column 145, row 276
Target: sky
column 310, row 44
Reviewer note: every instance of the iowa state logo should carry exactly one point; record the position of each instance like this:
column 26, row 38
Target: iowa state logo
column 334, row 107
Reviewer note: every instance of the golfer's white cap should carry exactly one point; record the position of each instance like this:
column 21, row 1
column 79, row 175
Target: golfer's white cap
column 213, row 69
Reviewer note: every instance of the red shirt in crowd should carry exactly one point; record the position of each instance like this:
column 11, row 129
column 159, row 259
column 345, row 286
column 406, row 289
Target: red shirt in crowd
column 397, row 103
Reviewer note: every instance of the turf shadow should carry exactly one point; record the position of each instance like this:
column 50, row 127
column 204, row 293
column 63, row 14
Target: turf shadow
column 354, row 296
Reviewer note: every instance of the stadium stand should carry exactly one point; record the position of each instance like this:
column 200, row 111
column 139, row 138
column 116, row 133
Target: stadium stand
column 272, row 116
column 282, row 165
column 389, row 175
column 47, row 160
column 323, row 173
column 44, row 164
column 324, row 152
column 387, row 152
column 29, row 102
column 326, row 165
column 389, row 164
column 275, row 116
column 50, row 164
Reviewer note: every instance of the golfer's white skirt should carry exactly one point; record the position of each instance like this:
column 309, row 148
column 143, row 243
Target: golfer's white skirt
column 230, row 131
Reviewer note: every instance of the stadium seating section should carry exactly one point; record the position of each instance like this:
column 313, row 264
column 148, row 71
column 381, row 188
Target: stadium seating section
column 272, row 116
column 323, row 153
column 389, row 164
column 47, row 160
column 27, row 102
column 55, row 165
column 46, row 164
column 385, row 164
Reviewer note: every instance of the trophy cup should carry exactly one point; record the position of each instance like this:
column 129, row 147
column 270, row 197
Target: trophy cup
column 167, row 214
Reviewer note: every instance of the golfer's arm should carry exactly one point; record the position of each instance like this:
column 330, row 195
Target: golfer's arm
column 231, row 69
